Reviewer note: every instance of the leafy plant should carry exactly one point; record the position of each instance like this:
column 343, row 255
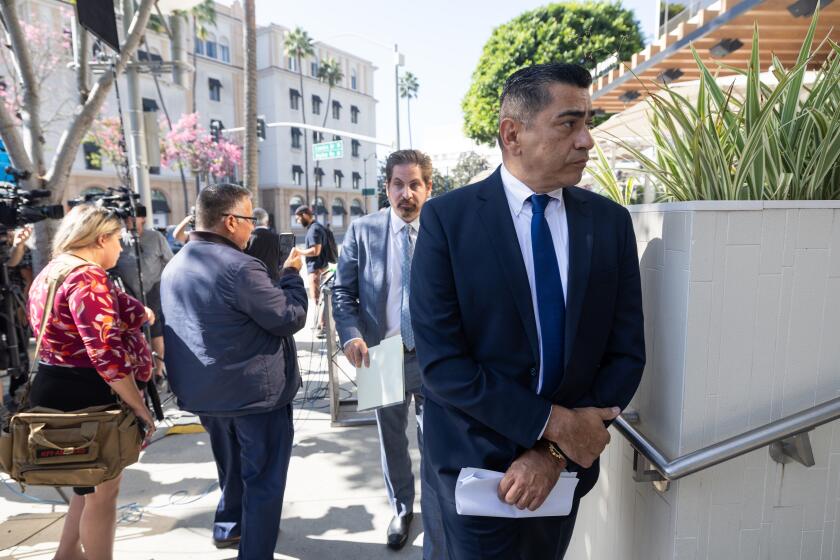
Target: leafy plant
column 780, row 142
column 606, row 178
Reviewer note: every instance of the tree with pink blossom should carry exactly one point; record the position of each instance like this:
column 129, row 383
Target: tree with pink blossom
column 190, row 146
column 107, row 135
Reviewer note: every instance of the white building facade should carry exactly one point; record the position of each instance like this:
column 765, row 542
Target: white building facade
column 348, row 107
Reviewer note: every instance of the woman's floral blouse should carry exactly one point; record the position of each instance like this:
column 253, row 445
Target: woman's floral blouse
column 92, row 324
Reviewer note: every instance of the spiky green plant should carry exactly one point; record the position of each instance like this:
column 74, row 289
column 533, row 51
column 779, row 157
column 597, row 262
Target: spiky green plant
column 602, row 172
column 780, row 142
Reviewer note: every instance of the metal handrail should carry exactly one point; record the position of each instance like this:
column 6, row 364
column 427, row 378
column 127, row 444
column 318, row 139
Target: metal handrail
column 709, row 456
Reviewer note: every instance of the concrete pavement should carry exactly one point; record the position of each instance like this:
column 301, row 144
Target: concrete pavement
column 335, row 504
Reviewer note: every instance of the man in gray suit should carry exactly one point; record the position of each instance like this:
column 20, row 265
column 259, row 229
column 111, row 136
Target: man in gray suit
column 370, row 299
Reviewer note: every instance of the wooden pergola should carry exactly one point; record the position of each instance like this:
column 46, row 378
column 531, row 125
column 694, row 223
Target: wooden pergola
column 722, row 36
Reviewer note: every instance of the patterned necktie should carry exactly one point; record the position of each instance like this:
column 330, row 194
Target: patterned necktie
column 405, row 315
column 550, row 301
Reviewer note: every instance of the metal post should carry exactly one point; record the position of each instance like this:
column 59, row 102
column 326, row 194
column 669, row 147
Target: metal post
column 397, row 90
column 135, row 139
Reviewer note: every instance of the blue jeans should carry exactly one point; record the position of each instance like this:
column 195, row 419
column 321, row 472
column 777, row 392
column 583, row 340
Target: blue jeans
column 252, row 455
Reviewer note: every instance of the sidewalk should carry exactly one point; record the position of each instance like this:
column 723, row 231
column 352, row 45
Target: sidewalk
column 335, row 503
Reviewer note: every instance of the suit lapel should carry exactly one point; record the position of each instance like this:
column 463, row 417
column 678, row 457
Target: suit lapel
column 580, row 220
column 494, row 210
column 378, row 258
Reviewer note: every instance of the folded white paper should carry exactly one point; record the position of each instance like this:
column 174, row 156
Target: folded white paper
column 477, row 493
column 383, row 383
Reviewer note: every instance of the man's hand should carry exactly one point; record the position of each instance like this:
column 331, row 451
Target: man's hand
column 357, row 352
column 294, row 260
column 530, row 478
column 150, row 316
column 580, row 432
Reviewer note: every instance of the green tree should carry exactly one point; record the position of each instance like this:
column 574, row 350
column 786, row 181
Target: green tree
column 441, row 184
column 673, row 10
column 469, row 165
column 409, row 85
column 299, row 45
column 579, row 32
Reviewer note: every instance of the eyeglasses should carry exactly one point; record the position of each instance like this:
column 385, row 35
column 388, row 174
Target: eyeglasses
column 251, row 219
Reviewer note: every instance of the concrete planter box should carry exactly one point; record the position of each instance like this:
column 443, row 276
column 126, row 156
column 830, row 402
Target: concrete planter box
column 742, row 320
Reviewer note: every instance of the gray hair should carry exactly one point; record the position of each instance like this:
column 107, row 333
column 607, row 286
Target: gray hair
column 215, row 201
column 261, row 216
column 526, row 91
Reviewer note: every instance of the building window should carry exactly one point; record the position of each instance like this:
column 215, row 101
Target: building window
column 316, row 105
column 160, row 209
column 313, row 68
column 292, row 65
column 336, row 110
column 354, row 114
column 215, row 89
column 93, row 157
column 297, row 174
column 317, row 137
column 210, row 46
column 296, row 134
column 224, row 50
column 354, row 82
column 357, row 180
column 319, row 177
column 294, row 99
column 146, row 56
column 199, row 46
column 354, row 148
column 337, row 177
column 336, row 138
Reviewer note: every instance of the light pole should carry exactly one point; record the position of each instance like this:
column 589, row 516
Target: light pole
column 399, row 60
column 364, row 163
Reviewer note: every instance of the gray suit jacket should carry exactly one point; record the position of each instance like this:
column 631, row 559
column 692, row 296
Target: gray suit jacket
column 360, row 292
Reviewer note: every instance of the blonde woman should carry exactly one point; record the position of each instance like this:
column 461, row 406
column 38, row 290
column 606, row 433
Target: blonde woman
column 93, row 351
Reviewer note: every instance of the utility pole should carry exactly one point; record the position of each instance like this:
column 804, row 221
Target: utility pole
column 397, row 90
column 136, row 140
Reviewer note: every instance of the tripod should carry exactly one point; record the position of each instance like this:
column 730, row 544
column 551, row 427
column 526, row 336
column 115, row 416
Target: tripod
column 16, row 332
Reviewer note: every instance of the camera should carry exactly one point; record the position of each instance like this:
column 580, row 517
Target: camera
column 18, row 207
column 120, row 200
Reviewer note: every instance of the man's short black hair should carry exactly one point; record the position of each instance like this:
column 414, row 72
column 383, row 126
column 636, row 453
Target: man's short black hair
column 215, row 201
column 304, row 210
column 409, row 157
column 526, row 91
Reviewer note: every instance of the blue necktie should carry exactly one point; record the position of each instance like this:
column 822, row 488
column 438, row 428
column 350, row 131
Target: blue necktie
column 405, row 316
column 550, row 301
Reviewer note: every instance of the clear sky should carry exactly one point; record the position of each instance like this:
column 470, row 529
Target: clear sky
column 441, row 40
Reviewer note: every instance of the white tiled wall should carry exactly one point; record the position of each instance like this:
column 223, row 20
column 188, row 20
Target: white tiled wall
column 742, row 319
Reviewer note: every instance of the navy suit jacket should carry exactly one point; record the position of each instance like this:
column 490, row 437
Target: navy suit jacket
column 476, row 334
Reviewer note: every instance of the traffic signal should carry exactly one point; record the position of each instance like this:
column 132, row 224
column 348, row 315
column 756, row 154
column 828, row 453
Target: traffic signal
column 216, row 128
column 261, row 128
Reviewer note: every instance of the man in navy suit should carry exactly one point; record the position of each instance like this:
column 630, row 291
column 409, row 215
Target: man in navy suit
column 527, row 315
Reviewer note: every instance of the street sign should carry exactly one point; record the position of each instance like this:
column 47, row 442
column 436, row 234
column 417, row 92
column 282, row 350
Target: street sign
column 328, row 150
column 368, row 192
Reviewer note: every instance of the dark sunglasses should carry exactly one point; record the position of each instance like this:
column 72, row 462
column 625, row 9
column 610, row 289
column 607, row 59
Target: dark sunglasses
column 251, row 219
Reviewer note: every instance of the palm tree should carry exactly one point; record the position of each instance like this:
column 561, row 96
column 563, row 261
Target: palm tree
column 203, row 16
column 408, row 90
column 251, row 163
column 299, row 45
column 329, row 72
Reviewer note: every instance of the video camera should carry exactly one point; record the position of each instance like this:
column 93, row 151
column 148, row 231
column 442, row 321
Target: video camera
column 120, row 200
column 18, row 207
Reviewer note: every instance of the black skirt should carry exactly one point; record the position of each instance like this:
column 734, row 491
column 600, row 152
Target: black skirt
column 68, row 389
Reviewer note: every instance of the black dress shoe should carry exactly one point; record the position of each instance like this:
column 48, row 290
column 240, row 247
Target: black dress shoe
column 227, row 543
column 398, row 531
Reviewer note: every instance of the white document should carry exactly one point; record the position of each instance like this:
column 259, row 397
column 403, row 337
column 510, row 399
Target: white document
column 477, row 493
column 382, row 383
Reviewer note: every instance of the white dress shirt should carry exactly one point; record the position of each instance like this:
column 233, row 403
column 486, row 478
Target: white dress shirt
column 396, row 252
column 518, row 196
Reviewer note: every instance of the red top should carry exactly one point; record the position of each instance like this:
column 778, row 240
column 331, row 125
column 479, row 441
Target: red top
column 92, row 324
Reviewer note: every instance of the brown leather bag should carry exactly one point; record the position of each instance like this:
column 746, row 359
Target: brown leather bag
column 47, row 447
